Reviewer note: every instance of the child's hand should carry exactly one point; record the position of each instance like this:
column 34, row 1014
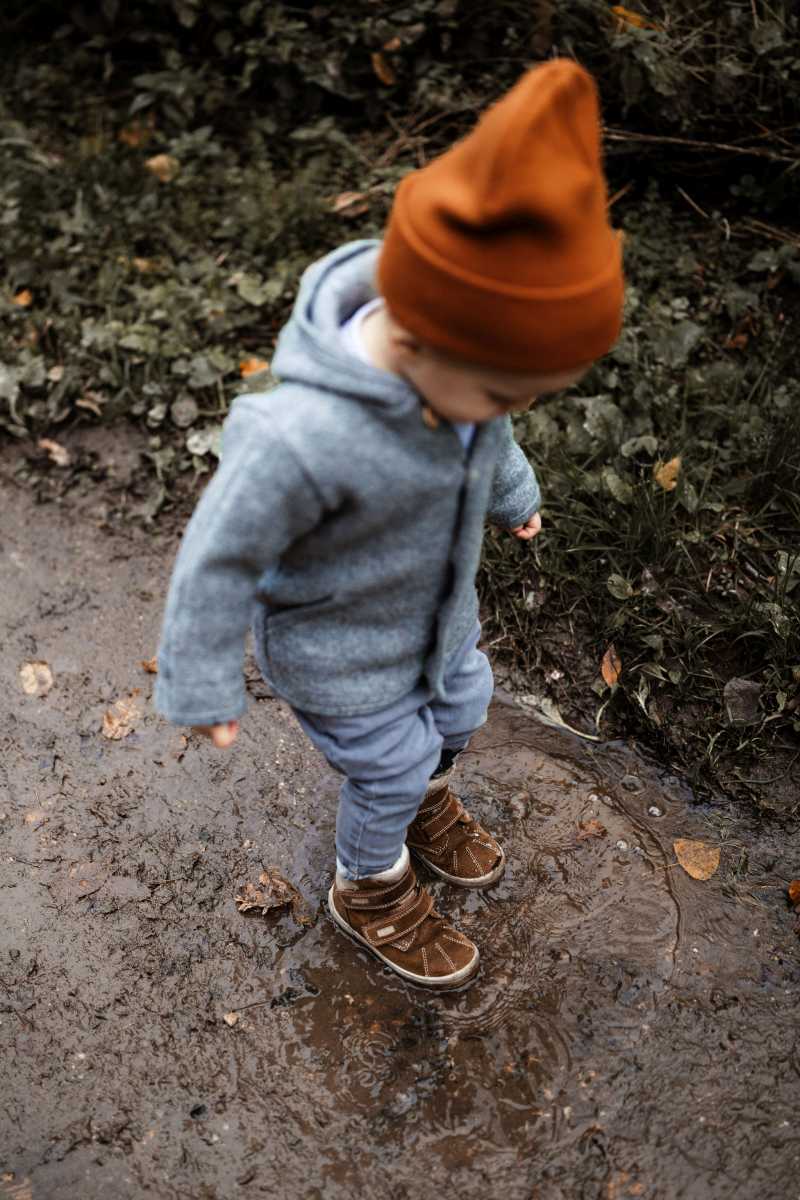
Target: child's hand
column 222, row 736
column 529, row 529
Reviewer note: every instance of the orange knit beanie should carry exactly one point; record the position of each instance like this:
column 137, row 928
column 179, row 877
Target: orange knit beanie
column 500, row 251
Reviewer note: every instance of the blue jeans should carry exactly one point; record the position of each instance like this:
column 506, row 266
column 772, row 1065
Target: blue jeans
column 388, row 757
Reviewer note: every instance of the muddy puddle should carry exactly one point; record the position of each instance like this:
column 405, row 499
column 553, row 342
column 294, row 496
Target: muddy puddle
column 633, row 1031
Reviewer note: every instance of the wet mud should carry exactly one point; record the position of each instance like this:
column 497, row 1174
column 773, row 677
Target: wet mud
column 633, row 1031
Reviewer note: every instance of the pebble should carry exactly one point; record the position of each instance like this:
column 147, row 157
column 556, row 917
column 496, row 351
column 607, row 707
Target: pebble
column 622, row 844
column 655, row 811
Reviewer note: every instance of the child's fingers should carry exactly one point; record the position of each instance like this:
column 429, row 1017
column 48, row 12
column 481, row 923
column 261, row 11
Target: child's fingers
column 529, row 530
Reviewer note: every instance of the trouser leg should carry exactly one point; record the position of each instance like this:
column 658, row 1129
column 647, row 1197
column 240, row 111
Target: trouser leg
column 387, row 759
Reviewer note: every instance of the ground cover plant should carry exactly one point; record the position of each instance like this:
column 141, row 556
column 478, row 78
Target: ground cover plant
column 167, row 176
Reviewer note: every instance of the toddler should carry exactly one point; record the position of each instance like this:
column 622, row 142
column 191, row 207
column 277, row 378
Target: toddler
column 346, row 517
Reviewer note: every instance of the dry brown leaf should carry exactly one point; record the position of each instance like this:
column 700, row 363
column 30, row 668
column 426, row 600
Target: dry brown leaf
column 350, row 204
column 794, row 894
column 121, row 718
column 383, row 68
column 274, row 892
column 145, row 266
column 666, row 473
column 163, row 166
column 57, row 453
column 698, row 859
column 23, row 299
column 392, row 44
column 611, row 666
column 92, row 401
column 591, row 829
column 36, row 678
column 150, row 665
column 251, row 366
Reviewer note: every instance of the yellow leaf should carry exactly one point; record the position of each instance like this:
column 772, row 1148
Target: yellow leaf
column 350, row 204
column 36, row 678
column 666, row 473
column 55, row 452
column 163, row 166
column 611, row 666
column 120, row 719
column 698, row 859
column 626, row 17
column 251, row 366
column 23, row 299
column 383, row 69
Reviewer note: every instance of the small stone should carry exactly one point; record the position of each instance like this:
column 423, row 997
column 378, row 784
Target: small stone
column 622, row 844
column 631, row 783
column 655, row 811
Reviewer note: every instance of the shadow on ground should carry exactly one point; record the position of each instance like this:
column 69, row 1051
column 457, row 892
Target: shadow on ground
column 633, row 1031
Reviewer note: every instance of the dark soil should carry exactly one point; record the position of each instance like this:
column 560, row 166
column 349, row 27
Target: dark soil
column 633, row 1031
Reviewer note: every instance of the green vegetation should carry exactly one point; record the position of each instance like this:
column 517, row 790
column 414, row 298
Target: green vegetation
column 164, row 179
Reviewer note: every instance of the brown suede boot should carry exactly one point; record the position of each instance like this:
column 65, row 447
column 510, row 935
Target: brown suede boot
column 399, row 925
column 450, row 842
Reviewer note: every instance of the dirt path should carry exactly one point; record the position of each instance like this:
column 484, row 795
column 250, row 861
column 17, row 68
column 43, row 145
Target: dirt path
column 633, row 1032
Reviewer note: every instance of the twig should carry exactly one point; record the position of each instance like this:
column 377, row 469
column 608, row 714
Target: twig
column 694, row 205
column 625, row 135
column 623, row 191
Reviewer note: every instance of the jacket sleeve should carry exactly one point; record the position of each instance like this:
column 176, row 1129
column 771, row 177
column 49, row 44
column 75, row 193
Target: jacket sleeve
column 259, row 501
column 515, row 494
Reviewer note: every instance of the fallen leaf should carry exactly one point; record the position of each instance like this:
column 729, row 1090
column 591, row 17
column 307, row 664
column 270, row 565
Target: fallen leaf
column 92, row 401
column 150, row 665
column 275, row 892
column 34, row 816
column 666, row 473
column 36, row 678
column 231, row 1018
column 624, row 17
column 591, row 829
column 350, row 204
column 57, row 453
column 611, row 666
column 23, row 299
column 145, row 266
column 121, row 718
column 138, row 133
column 737, row 342
column 383, row 69
column 163, row 166
column 251, row 366
column 392, row 44
column 794, row 894
column 698, row 859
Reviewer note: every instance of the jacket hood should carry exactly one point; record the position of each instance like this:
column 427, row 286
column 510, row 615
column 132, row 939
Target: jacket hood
column 310, row 350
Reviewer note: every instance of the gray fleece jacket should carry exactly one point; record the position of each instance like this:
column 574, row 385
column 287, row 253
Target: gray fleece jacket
column 338, row 523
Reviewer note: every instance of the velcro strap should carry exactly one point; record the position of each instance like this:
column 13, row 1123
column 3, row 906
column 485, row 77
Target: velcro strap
column 380, row 897
column 397, row 924
column 436, row 827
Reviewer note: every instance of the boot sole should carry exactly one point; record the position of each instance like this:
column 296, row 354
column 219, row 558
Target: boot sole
column 440, row 983
column 482, row 881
